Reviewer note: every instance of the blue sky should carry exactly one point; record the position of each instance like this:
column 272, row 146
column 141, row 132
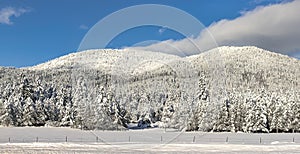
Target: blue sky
column 38, row 31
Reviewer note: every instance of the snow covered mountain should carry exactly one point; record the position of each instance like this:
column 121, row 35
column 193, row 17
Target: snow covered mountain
column 225, row 89
column 105, row 60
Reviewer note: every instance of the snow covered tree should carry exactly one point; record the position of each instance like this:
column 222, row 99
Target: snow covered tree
column 278, row 117
column 29, row 114
column 8, row 117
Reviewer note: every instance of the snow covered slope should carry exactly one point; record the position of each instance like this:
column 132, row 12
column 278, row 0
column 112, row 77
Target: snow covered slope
column 254, row 66
column 225, row 89
column 106, row 59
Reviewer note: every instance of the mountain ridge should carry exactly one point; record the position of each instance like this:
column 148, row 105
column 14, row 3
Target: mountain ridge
column 225, row 89
column 109, row 56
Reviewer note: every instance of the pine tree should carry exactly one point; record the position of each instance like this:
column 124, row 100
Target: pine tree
column 223, row 122
column 250, row 114
column 29, row 114
column 8, row 117
column 277, row 120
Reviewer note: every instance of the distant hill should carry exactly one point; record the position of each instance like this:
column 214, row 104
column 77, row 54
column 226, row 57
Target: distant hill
column 225, row 89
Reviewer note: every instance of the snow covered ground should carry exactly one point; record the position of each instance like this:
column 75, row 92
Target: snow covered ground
column 66, row 140
column 144, row 148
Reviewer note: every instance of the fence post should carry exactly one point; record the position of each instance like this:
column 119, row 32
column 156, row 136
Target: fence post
column 227, row 139
column 97, row 139
column 129, row 138
column 9, row 140
column 37, row 139
column 161, row 139
column 293, row 139
column 260, row 140
column 194, row 139
column 66, row 138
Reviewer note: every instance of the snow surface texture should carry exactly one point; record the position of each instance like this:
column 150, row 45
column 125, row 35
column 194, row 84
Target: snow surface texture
column 225, row 89
column 141, row 148
column 53, row 140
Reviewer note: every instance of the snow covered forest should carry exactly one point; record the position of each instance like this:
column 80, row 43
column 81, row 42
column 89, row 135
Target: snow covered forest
column 225, row 89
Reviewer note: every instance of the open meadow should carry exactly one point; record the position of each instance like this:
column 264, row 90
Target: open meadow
column 67, row 140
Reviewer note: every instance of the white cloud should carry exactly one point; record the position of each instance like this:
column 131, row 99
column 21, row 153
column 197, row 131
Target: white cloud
column 8, row 12
column 84, row 27
column 274, row 27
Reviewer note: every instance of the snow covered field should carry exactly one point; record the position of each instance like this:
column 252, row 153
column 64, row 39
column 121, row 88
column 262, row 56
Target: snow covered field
column 66, row 140
column 144, row 148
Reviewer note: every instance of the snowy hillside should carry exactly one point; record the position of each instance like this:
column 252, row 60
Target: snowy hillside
column 225, row 89
column 106, row 60
column 253, row 66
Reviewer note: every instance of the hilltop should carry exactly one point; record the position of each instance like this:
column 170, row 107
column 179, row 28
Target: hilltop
column 225, row 89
